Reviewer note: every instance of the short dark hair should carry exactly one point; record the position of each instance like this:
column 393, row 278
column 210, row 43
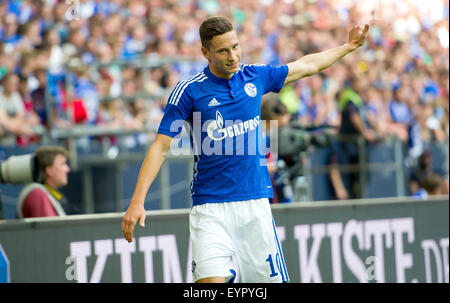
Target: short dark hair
column 272, row 108
column 46, row 156
column 432, row 182
column 214, row 26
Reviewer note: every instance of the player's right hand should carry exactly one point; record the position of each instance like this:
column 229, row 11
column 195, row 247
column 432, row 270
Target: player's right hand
column 357, row 36
column 134, row 213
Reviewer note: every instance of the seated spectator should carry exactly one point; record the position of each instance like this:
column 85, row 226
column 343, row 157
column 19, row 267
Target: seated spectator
column 43, row 199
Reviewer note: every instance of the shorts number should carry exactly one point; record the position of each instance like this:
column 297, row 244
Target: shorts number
column 272, row 268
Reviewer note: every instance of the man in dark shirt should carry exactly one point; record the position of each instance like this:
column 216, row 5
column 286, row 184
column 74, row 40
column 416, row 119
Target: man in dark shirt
column 352, row 125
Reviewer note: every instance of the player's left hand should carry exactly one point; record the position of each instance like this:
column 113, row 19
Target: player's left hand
column 356, row 37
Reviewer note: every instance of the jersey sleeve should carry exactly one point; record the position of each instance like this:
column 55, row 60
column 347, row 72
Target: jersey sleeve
column 177, row 111
column 273, row 77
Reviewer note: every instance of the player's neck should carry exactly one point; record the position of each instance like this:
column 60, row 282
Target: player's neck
column 220, row 75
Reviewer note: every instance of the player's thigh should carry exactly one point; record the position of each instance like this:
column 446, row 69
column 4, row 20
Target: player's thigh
column 259, row 253
column 212, row 248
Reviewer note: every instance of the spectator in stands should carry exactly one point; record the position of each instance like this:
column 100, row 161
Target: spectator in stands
column 111, row 114
column 31, row 37
column 135, row 45
column 30, row 115
column 43, row 199
column 52, row 41
column 38, row 96
column 85, row 92
column 12, row 109
column 406, row 52
column 401, row 114
column 9, row 34
column 163, row 28
column 6, row 64
column 41, row 95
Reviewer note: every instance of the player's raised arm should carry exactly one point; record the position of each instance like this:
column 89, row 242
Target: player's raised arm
column 153, row 161
column 314, row 63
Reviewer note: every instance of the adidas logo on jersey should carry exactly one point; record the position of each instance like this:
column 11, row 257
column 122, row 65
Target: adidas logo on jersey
column 213, row 102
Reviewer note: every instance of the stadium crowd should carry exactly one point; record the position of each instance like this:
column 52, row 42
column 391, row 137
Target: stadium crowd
column 59, row 60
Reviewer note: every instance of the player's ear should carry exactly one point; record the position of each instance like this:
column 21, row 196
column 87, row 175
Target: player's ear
column 205, row 52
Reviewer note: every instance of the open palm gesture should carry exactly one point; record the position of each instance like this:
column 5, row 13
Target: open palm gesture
column 356, row 37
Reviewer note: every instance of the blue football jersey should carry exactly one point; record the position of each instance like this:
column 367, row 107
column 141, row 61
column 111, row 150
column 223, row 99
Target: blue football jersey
column 227, row 140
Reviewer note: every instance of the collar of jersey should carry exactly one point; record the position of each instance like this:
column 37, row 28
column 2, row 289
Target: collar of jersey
column 216, row 79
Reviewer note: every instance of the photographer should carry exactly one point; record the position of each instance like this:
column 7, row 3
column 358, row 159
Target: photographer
column 272, row 109
column 44, row 199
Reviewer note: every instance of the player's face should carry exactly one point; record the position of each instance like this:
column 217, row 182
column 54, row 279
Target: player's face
column 224, row 55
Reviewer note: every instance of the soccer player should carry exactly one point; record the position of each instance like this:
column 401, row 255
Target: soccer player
column 231, row 214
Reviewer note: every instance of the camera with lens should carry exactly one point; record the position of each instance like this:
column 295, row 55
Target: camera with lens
column 294, row 138
column 20, row 169
column 294, row 143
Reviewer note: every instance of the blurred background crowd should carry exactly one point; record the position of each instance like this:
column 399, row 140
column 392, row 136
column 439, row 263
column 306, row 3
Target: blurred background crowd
column 65, row 63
